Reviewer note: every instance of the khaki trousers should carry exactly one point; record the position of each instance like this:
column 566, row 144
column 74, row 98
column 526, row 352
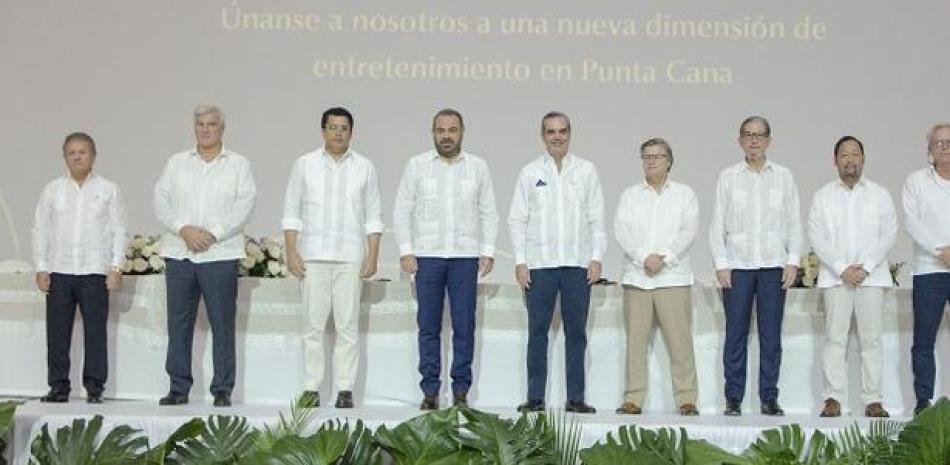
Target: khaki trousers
column 672, row 308
column 866, row 304
column 331, row 287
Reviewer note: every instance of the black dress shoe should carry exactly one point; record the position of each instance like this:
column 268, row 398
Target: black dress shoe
column 94, row 398
column 733, row 408
column 222, row 399
column 429, row 403
column 344, row 399
column 460, row 400
column 922, row 404
column 771, row 408
column 56, row 397
column 173, row 399
column 533, row 405
column 309, row 399
column 578, row 406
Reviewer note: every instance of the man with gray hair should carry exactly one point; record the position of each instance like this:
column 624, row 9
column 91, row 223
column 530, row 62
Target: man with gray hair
column 926, row 199
column 655, row 224
column 756, row 241
column 204, row 198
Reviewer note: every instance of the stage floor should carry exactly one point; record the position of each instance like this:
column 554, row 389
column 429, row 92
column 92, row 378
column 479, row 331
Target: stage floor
column 731, row 433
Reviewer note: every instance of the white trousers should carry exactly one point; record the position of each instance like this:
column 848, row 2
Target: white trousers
column 331, row 287
column 866, row 304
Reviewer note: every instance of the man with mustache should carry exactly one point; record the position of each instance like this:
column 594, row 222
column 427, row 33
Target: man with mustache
column 446, row 222
column 851, row 225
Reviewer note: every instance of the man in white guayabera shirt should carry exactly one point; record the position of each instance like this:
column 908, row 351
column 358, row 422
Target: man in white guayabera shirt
column 204, row 198
column 756, row 240
column 79, row 237
column 655, row 224
column 558, row 238
column 446, row 224
column 926, row 200
column 851, row 225
column 332, row 227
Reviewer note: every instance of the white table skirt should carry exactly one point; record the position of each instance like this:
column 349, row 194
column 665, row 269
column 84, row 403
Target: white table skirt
column 270, row 363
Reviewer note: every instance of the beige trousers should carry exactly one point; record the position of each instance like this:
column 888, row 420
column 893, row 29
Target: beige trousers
column 331, row 287
column 672, row 308
column 866, row 304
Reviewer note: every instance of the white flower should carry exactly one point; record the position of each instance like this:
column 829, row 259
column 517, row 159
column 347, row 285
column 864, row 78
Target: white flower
column 149, row 250
column 138, row 242
column 283, row 270
column 273, row 268
column 248, row 262
column 274, row 251
column 252, row 249
column 139, row 265
column 127, row 266
column 156, row 263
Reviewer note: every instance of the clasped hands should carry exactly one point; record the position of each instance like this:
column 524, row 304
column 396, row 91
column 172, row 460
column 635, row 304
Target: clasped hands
column 196, row 238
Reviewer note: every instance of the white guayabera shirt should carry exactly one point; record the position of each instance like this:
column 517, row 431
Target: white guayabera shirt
column 755, row 221
column 446, row 210
column 79, row 229
column 852, row 226
column 557, row 219
column 664, row 223
column 926, row 200
column 335, row 205
column 217, row 196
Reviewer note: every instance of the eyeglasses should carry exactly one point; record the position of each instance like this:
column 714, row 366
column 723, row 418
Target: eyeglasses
column 942, row 143
column 652, row 156
column 754, row 135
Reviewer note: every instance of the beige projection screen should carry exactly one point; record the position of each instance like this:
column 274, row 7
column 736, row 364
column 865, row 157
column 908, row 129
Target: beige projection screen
column 130, row 72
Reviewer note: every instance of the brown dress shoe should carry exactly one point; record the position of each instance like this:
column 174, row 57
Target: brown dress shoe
column 875, row 410
column 629, row 408
column 689, row 410
column 832, row 408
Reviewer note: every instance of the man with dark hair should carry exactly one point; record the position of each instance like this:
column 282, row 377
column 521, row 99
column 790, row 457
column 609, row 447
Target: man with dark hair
column 756, row 241
column 446, row 222
column 557, row 232
column 79, row 238
column 332, row 227
column 926, row 198
column 204, row 198
column 851, row 225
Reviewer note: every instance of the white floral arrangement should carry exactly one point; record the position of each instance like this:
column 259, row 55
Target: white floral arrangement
column 807, row 270
column 142, row 255
column 265, row 258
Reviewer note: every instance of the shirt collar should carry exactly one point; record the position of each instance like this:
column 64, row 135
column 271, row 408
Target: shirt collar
column 434, row 156
column 90, row 178
column 766, row 166
column 858, row 185
column 224, row 153
column 326, row 155
column 645, row 185
column 549, row 160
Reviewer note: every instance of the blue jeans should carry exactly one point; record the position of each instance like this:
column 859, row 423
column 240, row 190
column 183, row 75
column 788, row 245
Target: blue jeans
column 90, row 293
column 764, row 287
column 186, row 282
column 460, row 277
column 930, row 295
column 546, row 283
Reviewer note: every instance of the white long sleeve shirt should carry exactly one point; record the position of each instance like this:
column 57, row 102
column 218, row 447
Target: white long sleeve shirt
column 217, row 196
column 663, row 222
column 557, row 218
column 852, row 226
column 926, row 201
column 446, row 209
column 79, row 229
column 334, row 205
column 756, row 219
